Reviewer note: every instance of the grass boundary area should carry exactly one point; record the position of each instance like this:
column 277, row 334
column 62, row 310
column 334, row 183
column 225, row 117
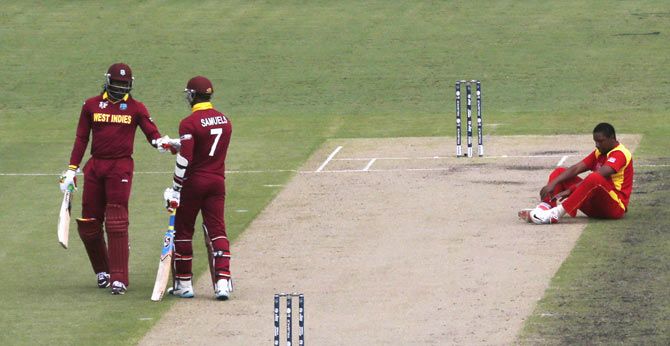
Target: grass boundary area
column 613, row 288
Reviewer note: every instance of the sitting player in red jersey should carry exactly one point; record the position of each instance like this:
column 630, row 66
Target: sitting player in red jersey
column 111, row 119
column 199, row 186
column 604, row 193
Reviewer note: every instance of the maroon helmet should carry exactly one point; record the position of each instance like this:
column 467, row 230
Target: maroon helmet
column 118, row 80
column 198, row 86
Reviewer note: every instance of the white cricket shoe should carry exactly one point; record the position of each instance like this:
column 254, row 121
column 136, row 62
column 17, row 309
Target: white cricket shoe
column 103, row 280
column 545, row 215
column 118, row 288
column 223, row 289
column 182, row 289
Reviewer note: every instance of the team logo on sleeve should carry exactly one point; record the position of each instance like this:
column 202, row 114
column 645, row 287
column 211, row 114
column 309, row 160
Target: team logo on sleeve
column 186, row 137
column 611, row 159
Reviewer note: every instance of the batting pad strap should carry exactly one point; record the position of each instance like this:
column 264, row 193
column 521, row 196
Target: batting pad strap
column 219, row 237
column 223, row 274
column 180, row 257
column 221, row 253
column 183, row 277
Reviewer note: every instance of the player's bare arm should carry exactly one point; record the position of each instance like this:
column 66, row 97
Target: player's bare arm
column 606, row 171
column 569, row 173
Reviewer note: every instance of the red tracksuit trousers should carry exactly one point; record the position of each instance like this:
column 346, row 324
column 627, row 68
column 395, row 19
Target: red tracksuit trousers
column 592, row 195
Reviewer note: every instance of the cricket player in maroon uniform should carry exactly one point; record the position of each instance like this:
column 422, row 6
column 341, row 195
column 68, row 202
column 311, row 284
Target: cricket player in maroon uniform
column 604, row 193
column 199, row 186
column 111, row 119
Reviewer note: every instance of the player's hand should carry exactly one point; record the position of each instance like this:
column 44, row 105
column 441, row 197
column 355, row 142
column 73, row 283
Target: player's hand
column 546, row 191
column 171, row 197
column 162, row 144
column 165, row 144
column 68, row 181
column 561, row 195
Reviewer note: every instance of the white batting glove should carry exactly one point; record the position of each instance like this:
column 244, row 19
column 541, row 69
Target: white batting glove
column 171, row 197
column 68, row 181
column 163, row 144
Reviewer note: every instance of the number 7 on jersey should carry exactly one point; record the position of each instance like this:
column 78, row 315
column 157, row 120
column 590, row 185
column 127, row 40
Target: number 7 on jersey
column 217, row 132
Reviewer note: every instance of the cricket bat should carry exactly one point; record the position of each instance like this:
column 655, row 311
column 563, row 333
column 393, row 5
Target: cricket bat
column 165, row 264
column 210, row 256
column 64, row 219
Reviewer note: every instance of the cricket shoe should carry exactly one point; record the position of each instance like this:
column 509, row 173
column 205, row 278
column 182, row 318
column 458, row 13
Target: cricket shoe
column 118, row 288
column 103, row 280
column 223, row 289
column 182, row 289
column 544, row 214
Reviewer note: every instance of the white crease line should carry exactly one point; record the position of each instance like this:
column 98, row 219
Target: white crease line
column 234, row 172
column 330, row 157
column 562, row 161
column 448, row 157
column 379, row 170
column 151, row 172
column 287, row 170
column 369, row 165
column 28, row 174
column 523, row 156
column 436, row 169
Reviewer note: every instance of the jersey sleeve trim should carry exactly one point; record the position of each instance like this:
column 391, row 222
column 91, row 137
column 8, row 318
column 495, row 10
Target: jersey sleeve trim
column 618, row 176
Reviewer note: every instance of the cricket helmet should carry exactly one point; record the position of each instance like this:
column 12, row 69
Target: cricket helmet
column 119, row 80
column 198, row 86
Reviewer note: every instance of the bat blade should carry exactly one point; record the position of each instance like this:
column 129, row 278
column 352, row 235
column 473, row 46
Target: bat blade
column 210, row 254
column 165, row 263
column 64, row 219
column 162, row 278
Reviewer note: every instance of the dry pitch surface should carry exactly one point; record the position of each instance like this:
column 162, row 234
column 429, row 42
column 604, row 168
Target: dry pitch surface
column 394, row 242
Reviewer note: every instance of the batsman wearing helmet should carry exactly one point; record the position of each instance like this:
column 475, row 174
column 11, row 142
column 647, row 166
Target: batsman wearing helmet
column 199, row 187
column 111, row 120
column 604, row 193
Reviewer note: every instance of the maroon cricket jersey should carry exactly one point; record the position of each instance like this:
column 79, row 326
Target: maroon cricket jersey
column 205, row 135
column 113, row 125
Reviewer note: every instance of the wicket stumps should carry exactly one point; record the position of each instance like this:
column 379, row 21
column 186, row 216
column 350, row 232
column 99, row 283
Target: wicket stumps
column 468, row 92
column 289, row 318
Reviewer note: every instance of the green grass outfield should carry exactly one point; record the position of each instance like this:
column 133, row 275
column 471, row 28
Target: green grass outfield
column 291, row 74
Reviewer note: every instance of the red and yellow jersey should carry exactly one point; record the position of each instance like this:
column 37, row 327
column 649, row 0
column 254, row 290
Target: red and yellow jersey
column 112, row 125
column 621, row 160
column 205, row 135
